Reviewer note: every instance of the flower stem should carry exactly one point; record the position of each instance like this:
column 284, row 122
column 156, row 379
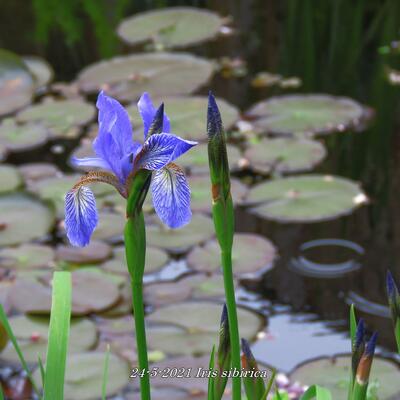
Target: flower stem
column 226, row 258
column 141, row 344
column 135, row 248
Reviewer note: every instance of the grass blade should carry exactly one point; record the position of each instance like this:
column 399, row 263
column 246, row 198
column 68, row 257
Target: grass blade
column 58, row 336
column 316, row 392
column 42, row 372
column 1, row 393
column 105, row 374
column 7, row 327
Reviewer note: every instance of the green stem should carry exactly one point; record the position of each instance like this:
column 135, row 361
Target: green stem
column 226, row 258
column 135, row 247
column 397, row 333
column 360, row 391
column 141, row 344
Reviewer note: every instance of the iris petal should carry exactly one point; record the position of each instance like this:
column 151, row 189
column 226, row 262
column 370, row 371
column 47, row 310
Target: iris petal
column 147, row 112
column 80, row 215
column 159, row 150
column 171, row 196
column 95, row 162
column 114, row 120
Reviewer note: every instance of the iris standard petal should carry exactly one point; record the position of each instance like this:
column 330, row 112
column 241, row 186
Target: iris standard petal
column 159, row 150
column 114, row 120
column 147, row 112
column 171, row 196
column 96, row 162
column 80, row 215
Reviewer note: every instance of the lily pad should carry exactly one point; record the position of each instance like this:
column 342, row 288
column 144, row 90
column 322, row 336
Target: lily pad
column 40, row 69
column 251, row 254
column 92, row 291
column 159, row 294
column 37, row 171
column 195, row 161
column 84, row 375
column 55, row 188
column 62, row 117
column 22, row 137
column 206, row 286
column 17, row 85
column 110, row 227
column 199, row 230
column 23, row 218
column 94, row 253
column 170, row 27
column 155, row 260
column 31, row 333
column 306, row 115
column 188, row 116
column 333, row 373
column 192, row 327
column 10, row 178
column 26, row 256
column 201, row 199
column 284, row 155
column 306, row 198
column 160, row 74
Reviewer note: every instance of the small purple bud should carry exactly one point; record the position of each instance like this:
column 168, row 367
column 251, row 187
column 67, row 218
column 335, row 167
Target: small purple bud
column 370, row 348
column 364, row 366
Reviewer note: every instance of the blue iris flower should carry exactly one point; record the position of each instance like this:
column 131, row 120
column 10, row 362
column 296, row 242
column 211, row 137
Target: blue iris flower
column 118, row 157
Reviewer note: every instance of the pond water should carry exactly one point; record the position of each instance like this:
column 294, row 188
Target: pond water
column 321, row 266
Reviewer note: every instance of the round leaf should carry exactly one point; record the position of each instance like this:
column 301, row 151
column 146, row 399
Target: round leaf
column 333, row 373
column 251, row 253
column 16, row 83
column 10, row 178
column 199, row 229
column 170, row 27
column 160, row 74
column 23, row 218
column 305, row 198
column 284, row 155
column 306, row 114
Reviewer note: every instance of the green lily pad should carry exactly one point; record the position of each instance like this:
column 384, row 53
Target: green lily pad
column 26, row 256
column 195, row 386
column 95, row 252
column 84, row 375
column 188, row 116
column 206, row 286
column 195, row 161
column 170, row 27
column 92, row 291
column 23, row 218
column 124, row 304
column 10, row 178
column 199, row 229
column 251, row 254
column 110, row 227
column 63, row 118
column 284, row 155
column 22, row 137
column 306, row 115
column 17, row 85
column 160, row 74
column 305, row 198
column 155, row 260
column 40, row 69
column 201, row 199
column 192, row 327
column 54, row 189
column 159, row 294
column 333, row 373
column 163, row 393
column 31, row 333
column 37, row 171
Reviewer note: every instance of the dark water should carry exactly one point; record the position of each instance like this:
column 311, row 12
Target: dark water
column 333, row 47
